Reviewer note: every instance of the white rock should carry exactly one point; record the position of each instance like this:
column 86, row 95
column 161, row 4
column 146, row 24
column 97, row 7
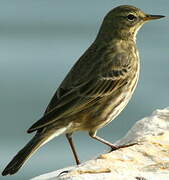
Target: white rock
column 148, row 160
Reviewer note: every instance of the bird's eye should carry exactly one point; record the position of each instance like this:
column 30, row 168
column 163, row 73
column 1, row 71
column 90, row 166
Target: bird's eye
column 131, row 17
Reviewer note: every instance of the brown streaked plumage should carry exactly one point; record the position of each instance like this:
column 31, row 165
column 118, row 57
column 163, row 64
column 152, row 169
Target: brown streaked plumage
column 97, row 88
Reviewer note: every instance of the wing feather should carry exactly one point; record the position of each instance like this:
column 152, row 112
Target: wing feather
column 84, row 95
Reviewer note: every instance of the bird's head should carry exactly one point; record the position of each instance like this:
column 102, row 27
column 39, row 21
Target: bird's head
column 126, row 21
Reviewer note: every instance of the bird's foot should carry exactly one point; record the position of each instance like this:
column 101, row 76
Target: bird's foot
column 66, row 171
column 63, row 172
column 113, row 148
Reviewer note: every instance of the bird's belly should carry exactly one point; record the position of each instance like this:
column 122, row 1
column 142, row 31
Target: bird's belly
column 111, row 110
column 111, row 107
column 105, row 109
column 114, row 111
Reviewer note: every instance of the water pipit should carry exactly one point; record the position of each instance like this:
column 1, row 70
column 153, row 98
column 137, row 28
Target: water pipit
column 96, row 89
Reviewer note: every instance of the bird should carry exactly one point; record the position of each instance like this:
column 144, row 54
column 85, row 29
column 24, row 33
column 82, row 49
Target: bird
column 96, row 89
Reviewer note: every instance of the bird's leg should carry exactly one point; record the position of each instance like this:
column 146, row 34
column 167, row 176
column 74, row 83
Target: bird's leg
column 93, row 135
column 70, row 140
column 113, row 147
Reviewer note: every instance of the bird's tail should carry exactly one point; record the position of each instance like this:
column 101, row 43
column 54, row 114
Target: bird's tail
column 33, row 145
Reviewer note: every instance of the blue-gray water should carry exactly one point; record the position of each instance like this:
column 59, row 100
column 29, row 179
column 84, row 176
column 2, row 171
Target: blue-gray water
column 39, row 42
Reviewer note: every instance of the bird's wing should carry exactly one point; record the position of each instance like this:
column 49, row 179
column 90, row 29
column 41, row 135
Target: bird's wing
column 112, row 75
column 79, row 74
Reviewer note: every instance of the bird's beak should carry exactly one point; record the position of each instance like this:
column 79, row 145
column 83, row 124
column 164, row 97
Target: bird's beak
column 149, row 17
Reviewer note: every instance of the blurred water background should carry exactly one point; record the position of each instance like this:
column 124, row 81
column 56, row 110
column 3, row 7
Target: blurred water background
column 39, row 42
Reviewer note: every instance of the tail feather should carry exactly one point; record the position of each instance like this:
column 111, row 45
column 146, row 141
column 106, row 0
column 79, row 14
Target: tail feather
column 24, row 154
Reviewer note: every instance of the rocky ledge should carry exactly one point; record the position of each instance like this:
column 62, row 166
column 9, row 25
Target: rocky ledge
column 147, row 160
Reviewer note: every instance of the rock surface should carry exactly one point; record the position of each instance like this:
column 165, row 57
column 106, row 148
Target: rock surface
column 148, row 160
